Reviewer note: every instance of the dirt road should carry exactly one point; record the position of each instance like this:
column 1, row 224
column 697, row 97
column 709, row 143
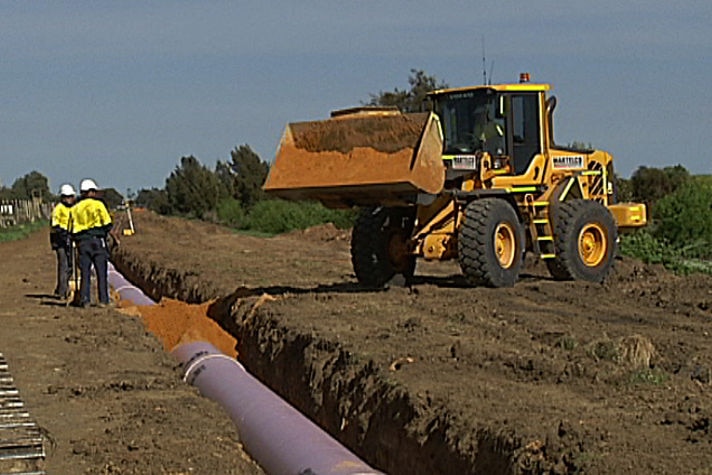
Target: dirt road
column 107, row 397
column 545, row 377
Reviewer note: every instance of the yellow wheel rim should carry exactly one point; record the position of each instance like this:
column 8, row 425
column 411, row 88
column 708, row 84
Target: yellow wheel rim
column 592, row 244
column 505, row 244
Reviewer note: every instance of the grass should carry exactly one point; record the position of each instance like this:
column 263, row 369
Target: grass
column 644, row 246
column 567, row 343
column 21, row 231
column 652, row 376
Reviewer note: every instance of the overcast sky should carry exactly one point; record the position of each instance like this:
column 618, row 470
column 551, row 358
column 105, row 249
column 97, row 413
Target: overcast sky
column 119, row 90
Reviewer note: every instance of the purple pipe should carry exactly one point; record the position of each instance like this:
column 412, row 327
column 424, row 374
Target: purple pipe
column 281, row 439
column 126, row 289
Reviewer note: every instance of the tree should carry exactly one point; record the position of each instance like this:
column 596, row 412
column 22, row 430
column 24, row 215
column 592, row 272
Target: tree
column 651, row 184
column 194, row 189
column 412, row 100
column 111, row 197
column 623, row 189
column 33, row 184
column 580, row 146
column 244, row 175
column 6, row 193
column 154, row 199
column 684, row 219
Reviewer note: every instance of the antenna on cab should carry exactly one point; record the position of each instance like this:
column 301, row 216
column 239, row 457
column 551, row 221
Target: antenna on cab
column 484, row 63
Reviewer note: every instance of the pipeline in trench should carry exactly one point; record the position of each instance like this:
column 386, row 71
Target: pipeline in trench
column 275, row 434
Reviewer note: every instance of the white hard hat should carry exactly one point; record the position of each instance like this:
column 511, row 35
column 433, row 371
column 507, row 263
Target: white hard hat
column 87, row 184
column 67, row 190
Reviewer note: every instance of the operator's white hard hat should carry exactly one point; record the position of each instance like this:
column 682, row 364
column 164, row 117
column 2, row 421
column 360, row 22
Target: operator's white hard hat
column 67, row 190
column 87, row 184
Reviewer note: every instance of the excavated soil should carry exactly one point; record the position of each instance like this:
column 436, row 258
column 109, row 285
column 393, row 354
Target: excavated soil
column 107, row 397
column 387, row 134
column 545, row 377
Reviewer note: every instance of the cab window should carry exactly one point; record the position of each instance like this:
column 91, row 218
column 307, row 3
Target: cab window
column 525, row 130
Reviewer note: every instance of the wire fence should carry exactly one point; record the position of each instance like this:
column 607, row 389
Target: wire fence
column 16, row 212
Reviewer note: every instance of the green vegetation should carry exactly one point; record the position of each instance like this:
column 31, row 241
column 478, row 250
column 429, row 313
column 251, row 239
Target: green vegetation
column 32, row 185
column 652, row 376
column 21, row 231
column 278, row 216
column 567, row 342
column 412, row 100
column 680, row 233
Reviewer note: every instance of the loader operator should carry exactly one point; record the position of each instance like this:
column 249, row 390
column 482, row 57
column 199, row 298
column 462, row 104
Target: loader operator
column 60, row 239
column 90, row 226
column 488, row 132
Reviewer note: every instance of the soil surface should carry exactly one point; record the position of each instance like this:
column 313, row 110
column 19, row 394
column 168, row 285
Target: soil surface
column 386, row 134
column 109, row 400
column 545, row 377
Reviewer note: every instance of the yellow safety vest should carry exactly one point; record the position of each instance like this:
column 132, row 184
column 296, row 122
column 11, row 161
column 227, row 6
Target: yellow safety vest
column 60, row 216
column 89, row 214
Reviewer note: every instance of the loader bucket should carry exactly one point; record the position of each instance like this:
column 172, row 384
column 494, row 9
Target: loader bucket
column 359, row 159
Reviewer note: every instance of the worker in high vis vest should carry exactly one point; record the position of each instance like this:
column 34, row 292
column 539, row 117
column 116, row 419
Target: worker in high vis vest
column 60, row 239
column 90, row 226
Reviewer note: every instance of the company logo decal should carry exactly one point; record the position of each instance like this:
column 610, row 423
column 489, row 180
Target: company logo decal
column 568, row 162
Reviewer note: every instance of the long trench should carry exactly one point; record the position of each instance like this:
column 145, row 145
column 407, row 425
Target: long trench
column 376, row 420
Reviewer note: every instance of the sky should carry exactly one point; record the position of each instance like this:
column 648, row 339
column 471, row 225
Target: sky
column 120, row 91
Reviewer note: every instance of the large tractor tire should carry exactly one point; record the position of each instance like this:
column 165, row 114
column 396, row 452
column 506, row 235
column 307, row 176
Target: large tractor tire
column 585, row 238
column 379, row 245
column 490, row 244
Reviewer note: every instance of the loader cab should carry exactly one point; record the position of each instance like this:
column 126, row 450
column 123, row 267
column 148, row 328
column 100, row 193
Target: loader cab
column 503, row 120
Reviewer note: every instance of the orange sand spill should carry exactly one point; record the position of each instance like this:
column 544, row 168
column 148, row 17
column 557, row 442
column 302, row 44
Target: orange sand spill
column 174, row 322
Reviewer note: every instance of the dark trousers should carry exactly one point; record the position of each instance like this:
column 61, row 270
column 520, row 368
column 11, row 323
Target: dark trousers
column 64, row 271
column 93, row 251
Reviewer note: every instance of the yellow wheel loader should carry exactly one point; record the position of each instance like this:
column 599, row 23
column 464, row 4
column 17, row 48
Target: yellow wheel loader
column 478, row 179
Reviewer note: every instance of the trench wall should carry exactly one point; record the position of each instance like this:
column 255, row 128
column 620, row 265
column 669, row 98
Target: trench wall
column 346, row 395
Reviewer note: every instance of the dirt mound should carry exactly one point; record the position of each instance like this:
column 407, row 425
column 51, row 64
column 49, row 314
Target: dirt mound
column 174, row 322
column 323, row 232
column 544, row 377
column 387, row 134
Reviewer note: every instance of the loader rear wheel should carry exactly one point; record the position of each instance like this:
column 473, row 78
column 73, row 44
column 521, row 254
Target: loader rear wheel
column 491, row 243
column 585, row 238
column 379, row 245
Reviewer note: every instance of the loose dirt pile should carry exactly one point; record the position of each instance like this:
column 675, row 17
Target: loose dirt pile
column 174, row 322
column 387, row 134
column 558, row 377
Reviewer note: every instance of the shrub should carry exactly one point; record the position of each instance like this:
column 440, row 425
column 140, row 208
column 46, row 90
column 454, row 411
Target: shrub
column 230, row 212
column 684, row 220
column 278, row 216
column 651, row 250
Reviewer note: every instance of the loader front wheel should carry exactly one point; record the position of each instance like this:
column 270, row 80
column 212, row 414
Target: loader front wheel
column 379, row 245
column 490, row 244
column 585, row 238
